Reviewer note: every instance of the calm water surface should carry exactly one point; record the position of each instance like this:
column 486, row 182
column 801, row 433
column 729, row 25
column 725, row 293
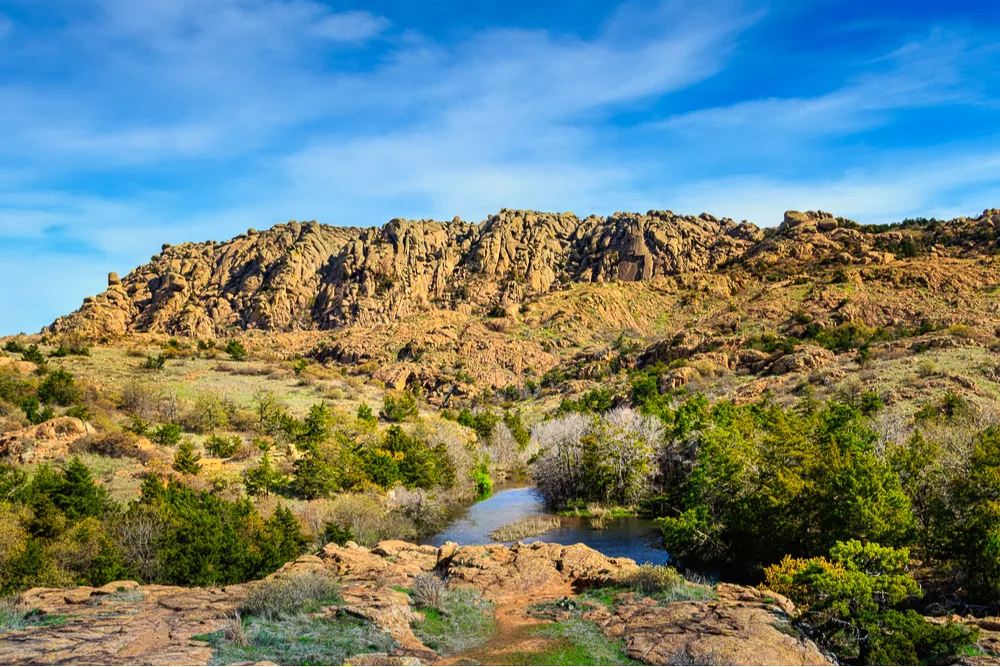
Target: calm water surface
column 628, row 537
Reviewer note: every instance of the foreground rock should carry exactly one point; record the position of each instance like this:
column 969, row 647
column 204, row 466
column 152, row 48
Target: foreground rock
column 124, row 623
column 743, row 627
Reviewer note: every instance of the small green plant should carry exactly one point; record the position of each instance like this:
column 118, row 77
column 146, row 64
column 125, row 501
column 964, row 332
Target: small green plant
column 221, row 446
column 186, row 459
column 365, row 414
column 34, row 355
column 236, row 350
column 338, row 534
column 398, row 407
column 264, row 478
column 300, row 365
column 168, row 435
column 155, row 363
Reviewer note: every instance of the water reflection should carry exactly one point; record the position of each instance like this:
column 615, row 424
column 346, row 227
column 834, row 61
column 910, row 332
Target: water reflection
column 628, row 537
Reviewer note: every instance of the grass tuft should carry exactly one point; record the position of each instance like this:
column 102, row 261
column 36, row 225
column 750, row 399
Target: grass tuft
column 529, row 526
column 462, row 621
column 285, row 596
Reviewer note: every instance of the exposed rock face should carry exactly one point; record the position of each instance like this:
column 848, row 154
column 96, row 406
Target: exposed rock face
column 44, row 442
column 308, row 275
column 742, row 628
column 124, row 623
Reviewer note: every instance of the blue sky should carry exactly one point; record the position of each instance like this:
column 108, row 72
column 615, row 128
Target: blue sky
column 129, row 123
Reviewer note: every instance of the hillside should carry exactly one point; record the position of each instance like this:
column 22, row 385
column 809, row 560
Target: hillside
column 526, row 299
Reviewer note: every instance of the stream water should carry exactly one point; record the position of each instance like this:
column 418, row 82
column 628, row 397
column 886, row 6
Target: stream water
column 629, row 537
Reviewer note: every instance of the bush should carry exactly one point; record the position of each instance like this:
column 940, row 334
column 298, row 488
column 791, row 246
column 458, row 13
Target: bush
column 155, row 363
column 221, row 446
column 428, row 591
column 34, row 355
column 264, row 478
column 186, row 459
column 14, row 347
column 168, row 435
column 853, row 605
column 653, row 580
column 398, row 407
column 236, row 350
column 59, row 388
column 365, row 414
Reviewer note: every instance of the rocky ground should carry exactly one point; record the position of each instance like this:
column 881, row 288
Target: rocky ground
column 123, row 623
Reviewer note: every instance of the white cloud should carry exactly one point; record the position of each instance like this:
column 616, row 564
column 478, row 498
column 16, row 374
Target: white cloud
column 354, row 26
column 913, row 183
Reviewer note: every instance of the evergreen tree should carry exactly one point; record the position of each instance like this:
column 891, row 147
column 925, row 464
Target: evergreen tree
column 186, row 459
column 264, row 478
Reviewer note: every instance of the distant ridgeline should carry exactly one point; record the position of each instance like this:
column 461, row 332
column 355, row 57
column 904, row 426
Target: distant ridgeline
column 302, row 276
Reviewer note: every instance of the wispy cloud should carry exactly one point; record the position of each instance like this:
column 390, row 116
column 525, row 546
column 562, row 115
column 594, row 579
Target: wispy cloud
column 129, row 123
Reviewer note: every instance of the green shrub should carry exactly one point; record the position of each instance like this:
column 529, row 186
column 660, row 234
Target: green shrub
column 168, row 435
column 34, row 355
column 59, row 388
column 365, row 414
column 236, row 350
column 264, row 478
column 853, row 604
column 221, row 446
column 186, row 459
column 398, row 407
column 14, row 347
column 155, row 363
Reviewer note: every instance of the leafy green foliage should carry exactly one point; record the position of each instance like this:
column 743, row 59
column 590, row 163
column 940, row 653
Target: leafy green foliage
column 168, row 435
column 264, row 478
column 236, row 350
column 34, row 355
column 365, row 414
column 768, row 482
column 482, row 422
column 59, row 388
column 407, row 460
column 593, row 401
column 853, row 604
column 222, row 446
column 186, row 459
column 398, row 407
column 155, row 362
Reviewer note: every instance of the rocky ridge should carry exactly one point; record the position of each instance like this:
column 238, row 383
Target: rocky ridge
column 309, row 276
column 312, row 276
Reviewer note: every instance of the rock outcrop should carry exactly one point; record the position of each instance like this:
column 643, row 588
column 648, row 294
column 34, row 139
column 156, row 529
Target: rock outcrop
column 308, row 275
column 45, row 442
column 124, row 623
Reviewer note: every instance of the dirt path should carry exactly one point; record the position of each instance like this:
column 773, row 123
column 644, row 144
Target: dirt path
column 516, row 633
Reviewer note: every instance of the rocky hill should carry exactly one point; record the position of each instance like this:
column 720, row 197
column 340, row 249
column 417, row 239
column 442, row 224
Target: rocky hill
column 455, row 307
column 312, row 276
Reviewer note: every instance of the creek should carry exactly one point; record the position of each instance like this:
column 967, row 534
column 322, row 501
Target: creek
column 628, row 537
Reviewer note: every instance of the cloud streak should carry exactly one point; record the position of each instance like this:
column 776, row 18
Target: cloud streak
column 133, row 123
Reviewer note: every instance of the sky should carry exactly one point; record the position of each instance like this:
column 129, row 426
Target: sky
column 125, row 124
